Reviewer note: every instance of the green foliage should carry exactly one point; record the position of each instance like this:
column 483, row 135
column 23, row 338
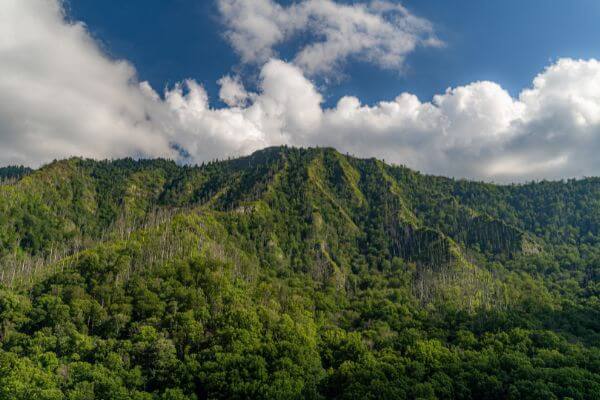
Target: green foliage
column 293, row 274
column 13, row 172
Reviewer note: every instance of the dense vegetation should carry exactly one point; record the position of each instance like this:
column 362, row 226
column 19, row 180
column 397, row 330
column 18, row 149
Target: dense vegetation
column 12, row 173
column 295, row 273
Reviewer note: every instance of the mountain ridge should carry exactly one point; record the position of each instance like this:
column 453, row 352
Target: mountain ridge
column 317, row 274
column 248, row 182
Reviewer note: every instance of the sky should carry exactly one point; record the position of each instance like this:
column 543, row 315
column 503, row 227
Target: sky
column 503, row 91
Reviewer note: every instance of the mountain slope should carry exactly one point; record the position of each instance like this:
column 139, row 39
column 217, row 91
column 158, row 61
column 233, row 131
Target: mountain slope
column 295, row 273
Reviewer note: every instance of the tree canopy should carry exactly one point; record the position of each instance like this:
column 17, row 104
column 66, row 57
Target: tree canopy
column 295, row 274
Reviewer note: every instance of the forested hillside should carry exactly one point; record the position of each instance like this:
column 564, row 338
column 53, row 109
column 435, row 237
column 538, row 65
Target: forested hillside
column 293, row 274
column 12, row 173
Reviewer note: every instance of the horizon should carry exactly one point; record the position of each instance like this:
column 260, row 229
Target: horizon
column 304, row 148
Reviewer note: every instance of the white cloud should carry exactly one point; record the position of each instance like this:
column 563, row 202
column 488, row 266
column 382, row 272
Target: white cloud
column 61, row 96
column 551, row 130
column 380, row 31
column 287, row 110
column 232, row 91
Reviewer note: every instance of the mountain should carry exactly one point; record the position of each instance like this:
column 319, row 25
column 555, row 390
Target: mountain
column 295, row 273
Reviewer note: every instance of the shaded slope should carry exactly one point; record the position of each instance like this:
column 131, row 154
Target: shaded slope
column 311, row 210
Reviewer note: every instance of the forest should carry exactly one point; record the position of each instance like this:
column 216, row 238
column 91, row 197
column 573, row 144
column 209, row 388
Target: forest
column 294, row 274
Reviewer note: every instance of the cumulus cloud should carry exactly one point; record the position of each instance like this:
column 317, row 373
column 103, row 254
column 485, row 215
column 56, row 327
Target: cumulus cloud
column 381, row 32
column 551, row 130
column 232, row 91
column 61, row 96
column 287, row 110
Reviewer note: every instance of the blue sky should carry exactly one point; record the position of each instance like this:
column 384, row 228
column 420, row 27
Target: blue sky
column 199, row 80
column 507, row 41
